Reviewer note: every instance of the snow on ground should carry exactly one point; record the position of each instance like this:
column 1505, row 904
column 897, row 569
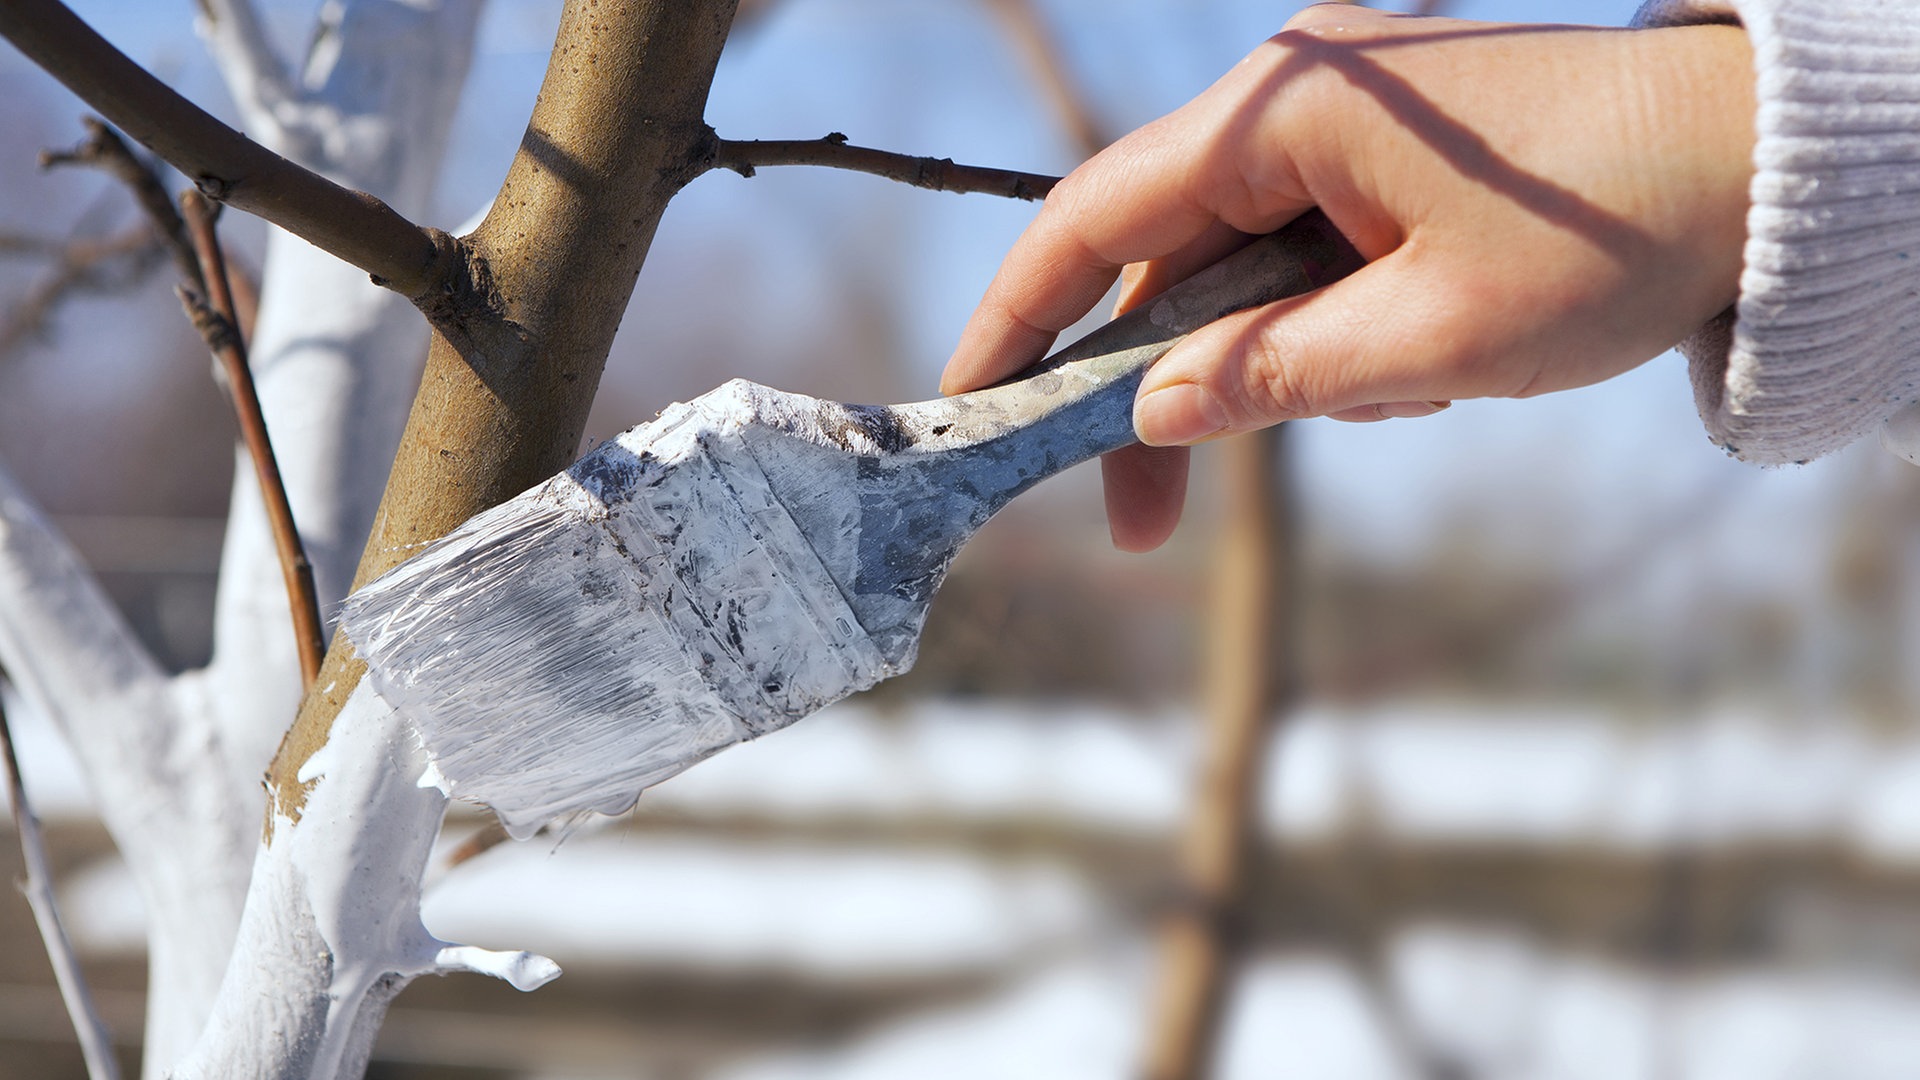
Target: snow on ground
column 1458, row 773
column 619, row 900
column 1495, row 1004
column 1429, row 774
column 1439, row 774
column 1073, row 1001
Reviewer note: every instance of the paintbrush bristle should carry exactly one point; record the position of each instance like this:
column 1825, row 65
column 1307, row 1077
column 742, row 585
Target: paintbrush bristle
column 652, row 605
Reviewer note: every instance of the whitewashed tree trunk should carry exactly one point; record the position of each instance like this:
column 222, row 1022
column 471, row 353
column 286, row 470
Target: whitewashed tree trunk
column 177, row 763
column 332, row 927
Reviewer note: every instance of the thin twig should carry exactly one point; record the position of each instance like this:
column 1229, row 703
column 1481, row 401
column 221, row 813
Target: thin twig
column 106, row 151
column 214, row 317
column 17, row 245
column 96, row 1045
column 89, row 264
column 744, row 156
column 226, row 165
column 484, row 839
column 81, row 265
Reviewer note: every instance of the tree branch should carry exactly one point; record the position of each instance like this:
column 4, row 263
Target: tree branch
column 1250, row 677
column 215, row 318
column 17, row 245
column 105, row 151
column 227, row 166
column 82, row 264
column 833, row 151
column 608, row 145
column 96, row 1046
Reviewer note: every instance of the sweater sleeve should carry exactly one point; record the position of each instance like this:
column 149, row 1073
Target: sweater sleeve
column 1823, row 345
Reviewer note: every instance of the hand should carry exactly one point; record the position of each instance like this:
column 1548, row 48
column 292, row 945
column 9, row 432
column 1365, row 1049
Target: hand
column 1541, row 207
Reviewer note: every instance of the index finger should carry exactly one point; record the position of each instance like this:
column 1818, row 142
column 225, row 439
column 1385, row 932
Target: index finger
column 1147, row 196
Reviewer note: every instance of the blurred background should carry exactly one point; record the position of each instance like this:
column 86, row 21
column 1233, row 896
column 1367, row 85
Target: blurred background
column 1592, row 752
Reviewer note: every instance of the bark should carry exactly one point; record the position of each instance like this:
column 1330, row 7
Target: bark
column 503, row 403
column 511, row 371
column 1249, row 676
column 178, row 762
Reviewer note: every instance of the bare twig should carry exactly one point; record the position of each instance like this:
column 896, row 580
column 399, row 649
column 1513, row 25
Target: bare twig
column 82, row 265
column 226, row 165
column 215, row 318
column 96, row 1046
column 89, row 264
column 484, row 839
column 833, row 151
column 105, row 151
column 17, row 245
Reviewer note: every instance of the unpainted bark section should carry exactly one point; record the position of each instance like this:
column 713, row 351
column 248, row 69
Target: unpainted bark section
column 618, row 130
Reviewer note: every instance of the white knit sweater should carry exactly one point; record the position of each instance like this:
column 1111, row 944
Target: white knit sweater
column 1823, row 345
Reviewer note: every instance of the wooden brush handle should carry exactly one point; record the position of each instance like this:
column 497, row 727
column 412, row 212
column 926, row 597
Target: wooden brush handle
column 1300, row 257
column 1078, row 403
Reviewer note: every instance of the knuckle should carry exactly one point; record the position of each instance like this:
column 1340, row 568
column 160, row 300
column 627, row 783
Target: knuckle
column 1315, row 16
column 1273, row 386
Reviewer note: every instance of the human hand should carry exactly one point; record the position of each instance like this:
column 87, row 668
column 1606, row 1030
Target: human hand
column 1541, row 207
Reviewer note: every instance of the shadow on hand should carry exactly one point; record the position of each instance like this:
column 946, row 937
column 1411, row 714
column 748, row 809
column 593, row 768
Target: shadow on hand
column 1453, row 141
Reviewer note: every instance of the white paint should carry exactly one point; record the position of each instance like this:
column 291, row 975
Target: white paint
column 334, row 360
column 148, row 743
column 623, row 620
column 333, row 917
column 633, row 901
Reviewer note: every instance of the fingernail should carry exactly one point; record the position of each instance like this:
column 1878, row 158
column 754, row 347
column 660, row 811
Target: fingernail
column 1177, row 415
column 1409, row 410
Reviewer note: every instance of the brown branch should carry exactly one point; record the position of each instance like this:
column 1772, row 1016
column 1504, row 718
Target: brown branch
column 82, row 265
column 18, row 245
column 227, row 166
column 503, row 405
column 833, row 151
column 1250, row 655
column 96, row 1046
column 108, row 152
column 105, row 151
column 215, row 318
column 484, row 839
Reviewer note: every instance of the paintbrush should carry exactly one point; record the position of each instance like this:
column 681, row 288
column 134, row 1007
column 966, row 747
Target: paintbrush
column 742, row 560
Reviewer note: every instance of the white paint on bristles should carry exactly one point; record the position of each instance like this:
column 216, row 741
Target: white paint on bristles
column 650, row 606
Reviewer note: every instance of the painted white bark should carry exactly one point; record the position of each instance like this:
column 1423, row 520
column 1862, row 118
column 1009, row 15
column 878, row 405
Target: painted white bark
column 148, row 748
column 335, row 358
column 332, row 926
column 176, row 763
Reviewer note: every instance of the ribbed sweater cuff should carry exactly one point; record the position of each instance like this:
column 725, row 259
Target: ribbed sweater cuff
column 1824, row 342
